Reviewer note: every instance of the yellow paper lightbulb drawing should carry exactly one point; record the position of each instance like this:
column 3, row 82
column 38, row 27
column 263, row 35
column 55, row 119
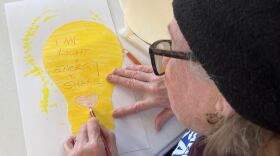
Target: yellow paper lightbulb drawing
column 78, row 56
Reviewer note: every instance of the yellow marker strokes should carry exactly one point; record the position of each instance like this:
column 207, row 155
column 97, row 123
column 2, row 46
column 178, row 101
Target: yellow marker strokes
column 61, row 123
column 36, row 70
column 78, row 56
column 95, row 17
column 47, row 18
column 53, row 105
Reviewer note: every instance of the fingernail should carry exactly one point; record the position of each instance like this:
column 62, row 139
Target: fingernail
column 157, row 126
column 109, row 77
column 93, row 120
column 116, row 113
column 114, row 71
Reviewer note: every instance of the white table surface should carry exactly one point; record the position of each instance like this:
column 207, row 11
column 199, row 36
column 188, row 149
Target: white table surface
column 11, row 132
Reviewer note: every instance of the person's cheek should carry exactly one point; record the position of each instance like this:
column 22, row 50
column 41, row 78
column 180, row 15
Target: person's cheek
column 165, row 61
column 173, row 82
column 169, row 79
column 182, row 102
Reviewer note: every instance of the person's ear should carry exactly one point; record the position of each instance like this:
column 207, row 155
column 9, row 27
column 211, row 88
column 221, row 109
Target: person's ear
column 223, row 107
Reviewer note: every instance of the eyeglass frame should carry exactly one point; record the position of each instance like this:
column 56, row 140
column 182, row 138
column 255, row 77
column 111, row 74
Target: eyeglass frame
column 167, row 53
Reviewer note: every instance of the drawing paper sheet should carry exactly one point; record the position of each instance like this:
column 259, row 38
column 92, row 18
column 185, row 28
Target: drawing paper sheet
column 51, row 43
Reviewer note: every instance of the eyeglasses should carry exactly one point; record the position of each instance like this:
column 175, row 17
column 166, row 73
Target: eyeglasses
column 162, row 48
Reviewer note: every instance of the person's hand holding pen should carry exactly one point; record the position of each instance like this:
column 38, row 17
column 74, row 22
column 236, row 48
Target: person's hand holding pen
column 89, row 141
column 142, row 78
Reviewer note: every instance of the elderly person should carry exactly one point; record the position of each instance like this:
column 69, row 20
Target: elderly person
column 219, row 75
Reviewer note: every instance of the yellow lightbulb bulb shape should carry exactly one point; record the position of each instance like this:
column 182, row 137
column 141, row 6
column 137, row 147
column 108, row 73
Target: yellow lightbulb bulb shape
column 78, row 56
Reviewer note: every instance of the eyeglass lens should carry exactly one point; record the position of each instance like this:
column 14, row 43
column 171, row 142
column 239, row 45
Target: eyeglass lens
column 158, row 58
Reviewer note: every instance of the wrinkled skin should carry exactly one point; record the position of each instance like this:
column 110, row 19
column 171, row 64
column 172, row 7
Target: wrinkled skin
column 185, row 90
column 142, row 78
column 191, row 92
column 89, row 142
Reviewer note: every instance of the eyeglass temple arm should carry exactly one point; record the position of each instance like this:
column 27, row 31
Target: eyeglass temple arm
column 174, row 54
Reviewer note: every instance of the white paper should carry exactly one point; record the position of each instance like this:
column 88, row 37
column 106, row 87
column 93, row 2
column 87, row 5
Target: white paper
column 45, row 133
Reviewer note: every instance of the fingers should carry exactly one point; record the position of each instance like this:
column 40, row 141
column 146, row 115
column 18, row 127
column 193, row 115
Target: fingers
column 138, row 75
column 143, row 68
column 93, row 130
column 162, row 118
column 101, row 137
column 128, row 82
column 69, row 144
column 109, row 136
column 82, row 137
column 133, row 109
column 111, row 140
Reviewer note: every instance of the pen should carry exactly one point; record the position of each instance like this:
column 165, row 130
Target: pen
column 107, row 150
column 131, row 57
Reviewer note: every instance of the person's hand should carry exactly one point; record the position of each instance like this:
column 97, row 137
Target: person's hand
column 142, row 78
column 89, row 141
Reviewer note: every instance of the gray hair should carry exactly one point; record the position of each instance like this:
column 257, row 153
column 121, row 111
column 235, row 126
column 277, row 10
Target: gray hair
column 236, row 136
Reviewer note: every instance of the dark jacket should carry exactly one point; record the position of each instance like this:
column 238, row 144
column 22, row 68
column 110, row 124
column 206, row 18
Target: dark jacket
column 198, row 147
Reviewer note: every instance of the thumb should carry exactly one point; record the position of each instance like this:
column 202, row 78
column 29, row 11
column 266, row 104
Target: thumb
column 162, row 118
column 109, row 136
column 139, row 106
column 69, row 144
column 110, row 139
column 93, row 130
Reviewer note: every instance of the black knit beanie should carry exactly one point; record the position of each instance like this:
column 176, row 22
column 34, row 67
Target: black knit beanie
column 238, row 44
